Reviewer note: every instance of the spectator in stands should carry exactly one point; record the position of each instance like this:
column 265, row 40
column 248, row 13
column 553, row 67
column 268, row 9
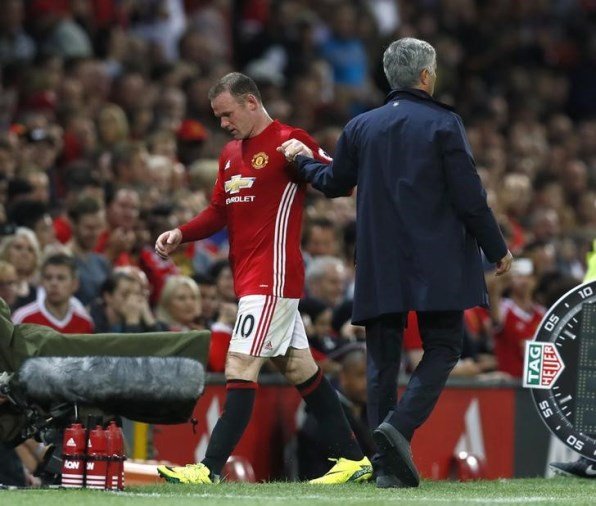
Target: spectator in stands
column 124, row 306
column 179, row 304
column 516, row 197
column 129, row 164
column 8, row 161
column 320, row 238
column 346, row 54
column 88, row 221
column 545, row 224
column 156, row 268
column 34, row 215
column 122, row 214
column 8, row 283
column 341, row 322
column 81, row 182
column 58, row 32
column 224, row 281
column 326, row 280
column 316, row 316
column 41, row 148
column 22, row 251
column 15, row 44
column 56, row 306
column 112, row 126
column 40, row 182
column 221, row 333
column 516, row 317
column 210, row 300
column 191, row 137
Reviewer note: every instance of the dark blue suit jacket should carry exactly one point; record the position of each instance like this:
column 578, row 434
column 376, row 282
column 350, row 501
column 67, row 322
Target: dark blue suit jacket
column 421, row 209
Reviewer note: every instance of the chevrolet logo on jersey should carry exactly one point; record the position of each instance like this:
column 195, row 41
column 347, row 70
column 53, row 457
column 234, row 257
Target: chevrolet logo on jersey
column 237, row 183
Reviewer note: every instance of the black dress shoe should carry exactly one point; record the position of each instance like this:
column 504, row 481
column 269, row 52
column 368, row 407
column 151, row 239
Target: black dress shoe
column 398, row 456
column 384, row 480
column 582, row 468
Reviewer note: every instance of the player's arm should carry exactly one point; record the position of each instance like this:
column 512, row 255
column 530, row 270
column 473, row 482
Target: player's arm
column 335, row 177
column 205, row 224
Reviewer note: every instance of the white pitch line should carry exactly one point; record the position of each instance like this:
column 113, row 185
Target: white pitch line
column 318, row 497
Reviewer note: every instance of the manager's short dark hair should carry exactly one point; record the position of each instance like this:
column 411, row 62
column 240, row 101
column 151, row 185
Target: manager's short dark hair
column 236, row 84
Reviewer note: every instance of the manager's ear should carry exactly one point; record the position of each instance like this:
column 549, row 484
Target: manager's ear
column 425, row 77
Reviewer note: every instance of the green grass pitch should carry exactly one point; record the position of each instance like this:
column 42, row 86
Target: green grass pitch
column 554, row 491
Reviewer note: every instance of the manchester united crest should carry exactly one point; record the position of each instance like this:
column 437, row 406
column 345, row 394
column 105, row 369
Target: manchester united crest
column 260, row 160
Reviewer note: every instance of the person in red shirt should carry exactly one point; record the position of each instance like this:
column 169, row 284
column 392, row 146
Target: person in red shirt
column 259, row 199
column 516, row 317
column 122, row 214
column 56, row 306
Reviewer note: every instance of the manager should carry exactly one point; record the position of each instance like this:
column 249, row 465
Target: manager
column 422, row 218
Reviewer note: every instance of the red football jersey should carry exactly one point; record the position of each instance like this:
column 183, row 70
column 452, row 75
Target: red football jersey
column 261, row 202
column 76, row 321
column 518, row 326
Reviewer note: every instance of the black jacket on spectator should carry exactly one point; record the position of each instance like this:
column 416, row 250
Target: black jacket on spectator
column 421, row 209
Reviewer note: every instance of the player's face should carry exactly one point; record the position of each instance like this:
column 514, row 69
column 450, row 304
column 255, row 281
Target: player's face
column 236, row 116
column 59, row 283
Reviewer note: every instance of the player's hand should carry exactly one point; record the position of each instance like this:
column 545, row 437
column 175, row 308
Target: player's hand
column 292, row 148
column 504, row 264
column 168, row 242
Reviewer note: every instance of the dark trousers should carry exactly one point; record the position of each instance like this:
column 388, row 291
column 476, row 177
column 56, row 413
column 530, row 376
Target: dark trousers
column 442, row 340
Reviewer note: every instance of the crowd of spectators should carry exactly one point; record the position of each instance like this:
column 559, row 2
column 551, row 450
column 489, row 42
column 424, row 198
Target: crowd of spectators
column 107, row 139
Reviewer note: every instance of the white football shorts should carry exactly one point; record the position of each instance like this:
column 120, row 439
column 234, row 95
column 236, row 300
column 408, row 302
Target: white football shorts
column 266, row 326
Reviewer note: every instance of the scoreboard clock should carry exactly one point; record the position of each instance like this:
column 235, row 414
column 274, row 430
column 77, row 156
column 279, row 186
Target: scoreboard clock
column 560, row 369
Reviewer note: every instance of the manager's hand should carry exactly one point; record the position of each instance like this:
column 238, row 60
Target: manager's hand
column 168, row 242
column 292, row 148
column 504, row 264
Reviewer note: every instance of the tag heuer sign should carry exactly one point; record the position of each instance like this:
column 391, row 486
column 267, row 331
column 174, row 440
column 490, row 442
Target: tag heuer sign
column 542, row 365
column 560, row 369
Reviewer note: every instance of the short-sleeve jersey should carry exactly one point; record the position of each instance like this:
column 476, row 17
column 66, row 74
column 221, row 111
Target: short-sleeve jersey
column 259, row 199
column 76, row 321
column 518, row 326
